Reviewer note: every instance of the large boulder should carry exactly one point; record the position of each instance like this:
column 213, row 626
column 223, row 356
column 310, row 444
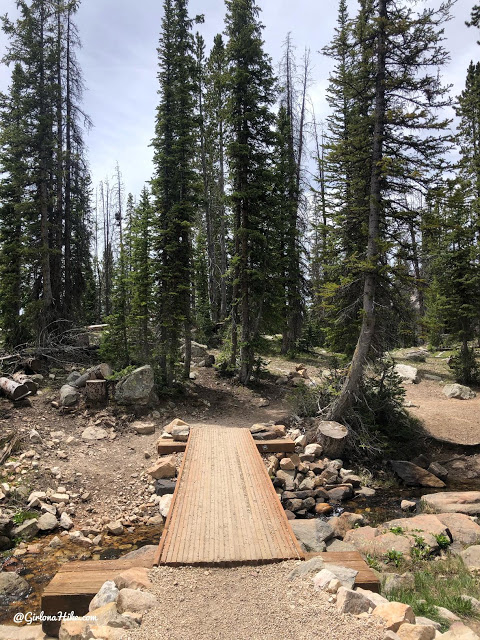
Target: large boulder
column 458, row 391
column 12, row 587
column 394, row 614
column 312, row 534
column 423, row 523
column 108, row 593
column 349, row 601
column 136, row 388
column 415, row 476
column 198, row 351
column 471, row 557
column 135, row 601
column 408, row 374
column 459, row 631
column 452, row 502
column 461, row 527
column 69, row 396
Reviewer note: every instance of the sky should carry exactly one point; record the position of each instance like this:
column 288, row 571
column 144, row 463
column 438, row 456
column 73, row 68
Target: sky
column 119, row 64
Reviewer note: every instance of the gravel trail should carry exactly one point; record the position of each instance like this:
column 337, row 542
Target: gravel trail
column 245, row 603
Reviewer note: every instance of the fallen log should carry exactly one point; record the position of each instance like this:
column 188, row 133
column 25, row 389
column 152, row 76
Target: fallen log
column 22, row 378
column 98, row 372
column 13, row 390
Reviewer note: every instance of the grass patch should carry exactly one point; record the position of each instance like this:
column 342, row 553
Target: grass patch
column 21, row 516
column 440, row 584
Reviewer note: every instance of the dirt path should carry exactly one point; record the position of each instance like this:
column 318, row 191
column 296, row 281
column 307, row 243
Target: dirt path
column 245, row 603
column 444, row 418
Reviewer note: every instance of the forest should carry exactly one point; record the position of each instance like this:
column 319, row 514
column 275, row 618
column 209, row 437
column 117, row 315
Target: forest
column 359, row 234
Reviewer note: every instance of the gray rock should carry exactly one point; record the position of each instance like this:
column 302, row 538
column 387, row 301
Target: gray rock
column 26, row 531
column 135, row 601
column 287, row 477
column 73, row 377
column 395, row 581
column 438, row 470
column 467, row 502
column 415, row 476
column 65, row 522
column 12, row 587
column 144, row 428
column 354, row 602
column 5, row 543
column 416, row 356
column 35, row 437
column 336, row 545
column 345, row 575
column 426, row 622
column 108, row 593
column 115, row 528
column 68, row 396
column 47, row 522
column 458, row 391
column 94, row 433
column 306, row 568
column 6, row 525
column 136, row 388
column 164, row 486
column 408, row 374
column 408, row 505
column 342, row 492
column 312, row 534
column 365, row 492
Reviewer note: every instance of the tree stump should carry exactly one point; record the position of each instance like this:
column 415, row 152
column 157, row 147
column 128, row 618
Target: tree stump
column 97, row 391
column 332, row 436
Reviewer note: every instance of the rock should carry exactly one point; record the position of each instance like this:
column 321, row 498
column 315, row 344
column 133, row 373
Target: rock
column 365, row 492
column 346, row 521
column 73, row 377
column 35, row 437
column 458, row 391
column 134, row 578
column 94, row 433
column 115, row 528
column 408, row 374
column 437, row 470
column 459, row 631
column 136, row 388
column 108, row 593
column 423, row 523
column 416, row 356
column 163, row 468
column 408, row 505
column 301, row 441
column 322, row 579
column 309, row 567
column 180, row 433
column 323, row 508
column 312, row 533
column 447, row 615
column 394, row 614
column 336, row 545
column 26, row 531
column 461, row 527
column 135, row 601
column 352, row 479
column 164, row 505
column 314, row 450
column 12, row 587
column 394, row 581
column 174, row 423
column 413, row 475
column 471, row 558
column 143, row 428
column 147, row 553
column 198, row 351
column 376, row 598
column 6, row 525
column 342, row 492
column 421, row 461
column 288, row 479
column 66, row 522
column 101, row 632
column 208, row 361
column 286, row 464
column 473, row 601
column 467, row 502
column 74, row 630
column 429, row 623
column 409, row 631
column 55, row 543
column 344, row 574
column 109, row 616
column 68, row 396
column 349, row 601
column 164, row 486
column 59, row 497
column 47, row 522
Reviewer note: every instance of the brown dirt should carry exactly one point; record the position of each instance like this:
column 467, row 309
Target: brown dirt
column 245, row 603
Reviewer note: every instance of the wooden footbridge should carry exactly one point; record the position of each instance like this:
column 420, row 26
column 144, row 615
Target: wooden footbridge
column 225, row 510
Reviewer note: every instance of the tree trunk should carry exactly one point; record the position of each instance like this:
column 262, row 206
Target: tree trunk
column 96, row 391
column 68, row 182
column 13, row 390
column 98, row 372
column 355, row 374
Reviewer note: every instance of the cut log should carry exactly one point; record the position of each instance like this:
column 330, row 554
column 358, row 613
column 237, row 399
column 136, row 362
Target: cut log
column 33, row 365
column 13, row 390
column 332, row 436
column 69, row 395
column 98, row 372
column 97, row 391
column 22, row 378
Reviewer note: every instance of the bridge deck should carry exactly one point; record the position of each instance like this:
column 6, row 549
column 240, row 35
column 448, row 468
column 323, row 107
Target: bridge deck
column 225, row 510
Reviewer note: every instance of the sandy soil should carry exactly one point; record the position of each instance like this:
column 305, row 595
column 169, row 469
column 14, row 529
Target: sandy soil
column 245, row 603
column 445, row 418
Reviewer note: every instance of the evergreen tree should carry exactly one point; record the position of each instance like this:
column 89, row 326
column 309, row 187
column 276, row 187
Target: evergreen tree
column 174, row 186
column 250, row 120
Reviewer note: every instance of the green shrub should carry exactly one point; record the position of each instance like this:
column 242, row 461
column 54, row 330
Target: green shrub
column 465, row 367
column 22, row 516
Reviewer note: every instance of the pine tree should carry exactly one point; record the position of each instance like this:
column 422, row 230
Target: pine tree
column 250, row 120
column 174, row 186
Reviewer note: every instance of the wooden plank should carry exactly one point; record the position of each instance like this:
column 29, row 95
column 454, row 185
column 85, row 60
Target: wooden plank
column 279, row 445
column 366, row 578
column 225, row 510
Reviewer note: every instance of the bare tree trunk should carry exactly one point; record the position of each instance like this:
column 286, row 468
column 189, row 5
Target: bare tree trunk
column 223, row 231
column 355, row 374
column 68, row 178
